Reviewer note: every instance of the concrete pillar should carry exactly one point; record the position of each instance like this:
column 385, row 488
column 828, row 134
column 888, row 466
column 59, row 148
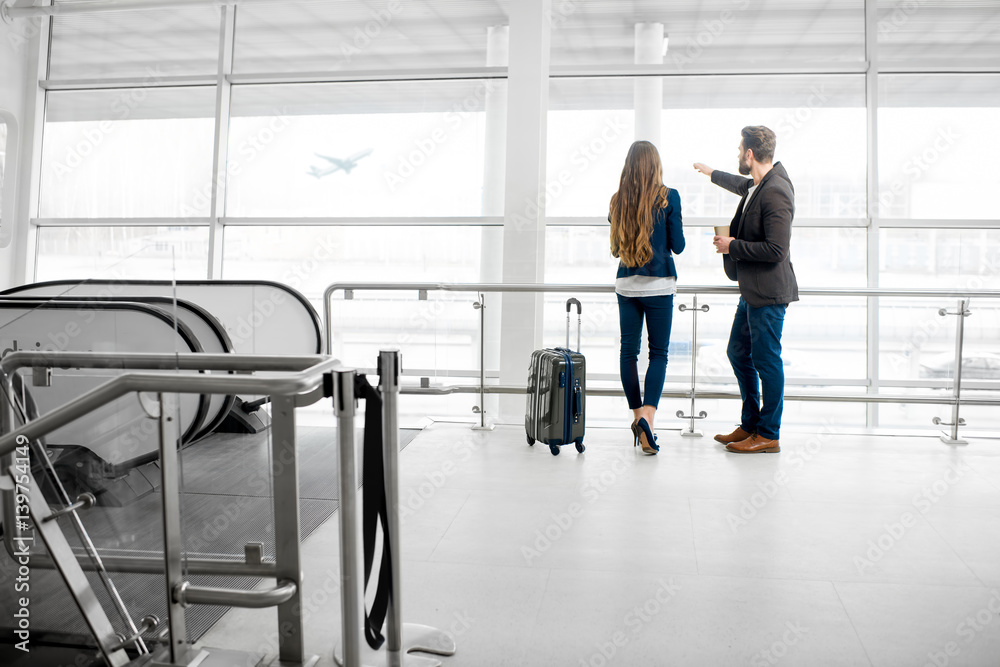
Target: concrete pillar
column 524, row 202
column 648, row 89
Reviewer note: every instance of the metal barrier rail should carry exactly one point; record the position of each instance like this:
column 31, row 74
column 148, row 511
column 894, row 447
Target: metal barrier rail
column 303, row 387
column 955, row 400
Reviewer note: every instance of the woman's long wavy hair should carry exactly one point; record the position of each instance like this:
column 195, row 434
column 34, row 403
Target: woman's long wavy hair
column 639, row 191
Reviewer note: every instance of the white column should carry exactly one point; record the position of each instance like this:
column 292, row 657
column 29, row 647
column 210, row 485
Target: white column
column 524, row 204
column 871, row 107
column 648, row 89
column 494, row 172
column 220, row 173
column 28, row 37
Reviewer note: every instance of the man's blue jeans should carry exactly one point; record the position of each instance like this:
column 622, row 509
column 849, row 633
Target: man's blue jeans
column 755, row 353
column 658, row 312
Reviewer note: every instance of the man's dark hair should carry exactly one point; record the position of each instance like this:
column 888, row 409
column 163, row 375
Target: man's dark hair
column 760, row 140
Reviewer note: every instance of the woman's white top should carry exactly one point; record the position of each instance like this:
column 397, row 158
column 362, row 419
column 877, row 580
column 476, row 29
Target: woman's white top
column 645, row 285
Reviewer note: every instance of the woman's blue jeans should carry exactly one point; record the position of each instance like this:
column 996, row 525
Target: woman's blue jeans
column 658, row 312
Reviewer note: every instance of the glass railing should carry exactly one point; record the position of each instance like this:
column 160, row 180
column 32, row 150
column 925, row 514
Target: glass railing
column 846, row 351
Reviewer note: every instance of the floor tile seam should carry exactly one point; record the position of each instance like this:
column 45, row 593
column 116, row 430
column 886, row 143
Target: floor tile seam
column 854, row 627
column 694, row 541
column 470, row 561
column 430, row 555
column 859, row 504
column 834, row 580
column 984, row 477
column 951, row 548
column 724, row 576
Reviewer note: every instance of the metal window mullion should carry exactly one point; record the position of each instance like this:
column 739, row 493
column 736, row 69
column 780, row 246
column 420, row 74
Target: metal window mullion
column 113, row 83
column 120, row 222
column 871, row 112
column 223, row 95
column 364, row 76
column 429, row 221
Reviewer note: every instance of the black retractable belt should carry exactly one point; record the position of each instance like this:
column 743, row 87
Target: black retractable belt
column 373, row 509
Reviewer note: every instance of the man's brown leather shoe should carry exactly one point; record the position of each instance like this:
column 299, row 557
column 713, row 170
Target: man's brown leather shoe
column 753, row 445
column 735, row 436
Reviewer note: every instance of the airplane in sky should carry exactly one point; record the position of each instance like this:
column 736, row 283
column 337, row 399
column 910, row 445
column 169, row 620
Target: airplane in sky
column 347, row 164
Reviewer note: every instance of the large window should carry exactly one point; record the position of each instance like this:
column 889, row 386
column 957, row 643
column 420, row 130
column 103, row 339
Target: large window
column 938, row 139
column 311, row 258
column 358, row 150
column 365, row 141
column 110, row 253
column 819, row 122
column 127, row 153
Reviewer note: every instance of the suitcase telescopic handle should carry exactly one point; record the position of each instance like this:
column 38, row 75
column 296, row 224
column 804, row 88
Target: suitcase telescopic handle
column 579, row 320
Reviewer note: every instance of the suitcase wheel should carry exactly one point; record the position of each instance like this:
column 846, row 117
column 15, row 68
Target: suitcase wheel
column 580, row 447
column 554, row 449
column 531, row 441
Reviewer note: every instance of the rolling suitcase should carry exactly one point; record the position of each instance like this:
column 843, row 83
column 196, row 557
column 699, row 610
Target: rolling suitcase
column 557, row 390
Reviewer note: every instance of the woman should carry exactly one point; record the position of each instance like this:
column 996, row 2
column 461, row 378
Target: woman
column 645, row 228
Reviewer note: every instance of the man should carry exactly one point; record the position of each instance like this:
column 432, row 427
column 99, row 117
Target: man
column 756, row 255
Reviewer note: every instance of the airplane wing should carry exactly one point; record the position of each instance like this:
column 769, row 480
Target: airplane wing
column 357, row 156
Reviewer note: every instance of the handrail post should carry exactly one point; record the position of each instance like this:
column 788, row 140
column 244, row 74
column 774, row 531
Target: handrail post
column 7, row 423
column 350, row 562
column 691, row 432
column 287, row 559
column 956, row 420
column 177, row 651
column 480, row 305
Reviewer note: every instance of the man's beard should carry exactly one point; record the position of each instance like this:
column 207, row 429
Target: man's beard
column 744, row 168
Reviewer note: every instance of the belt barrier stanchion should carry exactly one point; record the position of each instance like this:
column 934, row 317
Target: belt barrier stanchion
column 349, row 650
column 401, row 639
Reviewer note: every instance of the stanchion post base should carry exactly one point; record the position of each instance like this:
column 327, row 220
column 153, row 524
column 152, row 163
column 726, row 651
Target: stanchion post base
column 692, row 434
column 488, row 427
column 947, row 439
column 207, row 657
column 416, row 637
column 311, row 661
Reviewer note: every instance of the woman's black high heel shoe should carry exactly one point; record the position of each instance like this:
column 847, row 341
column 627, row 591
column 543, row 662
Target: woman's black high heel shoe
column 653, row 448
column 635, row 432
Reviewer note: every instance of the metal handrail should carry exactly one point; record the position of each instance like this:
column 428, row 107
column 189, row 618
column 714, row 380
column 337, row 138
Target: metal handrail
column 306, row 365
column 349, row 287
column 709, row 395
column 188, row 594
column 143, row 360
column 301, row 382
column 423, row 288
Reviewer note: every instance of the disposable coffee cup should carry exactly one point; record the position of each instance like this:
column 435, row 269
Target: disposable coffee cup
column 722, row 230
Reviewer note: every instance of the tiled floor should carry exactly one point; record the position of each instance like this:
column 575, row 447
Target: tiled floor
column 840, row 550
